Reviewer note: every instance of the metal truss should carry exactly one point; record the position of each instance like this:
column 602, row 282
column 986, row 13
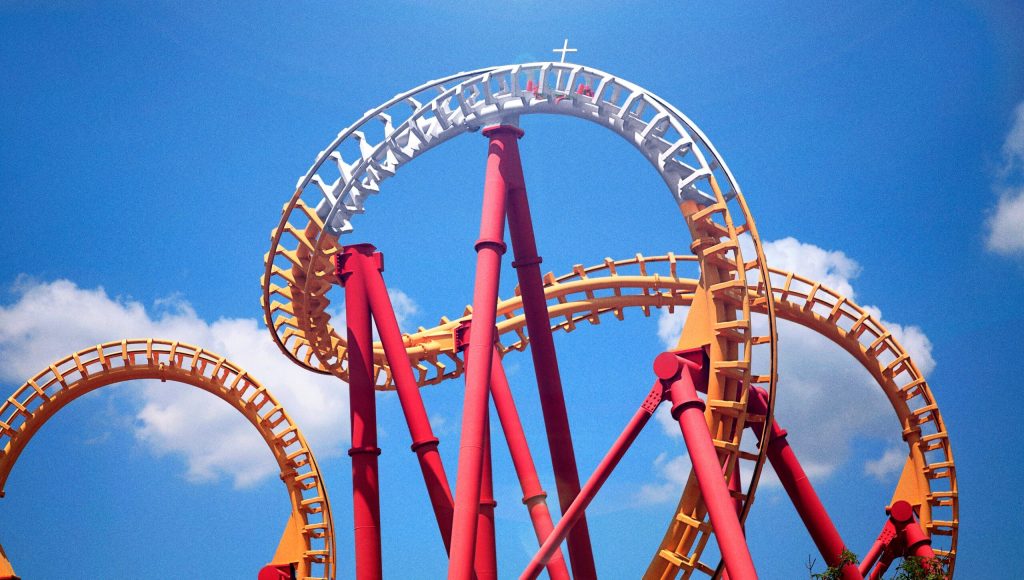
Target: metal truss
column 727, row 349
column 309, row 535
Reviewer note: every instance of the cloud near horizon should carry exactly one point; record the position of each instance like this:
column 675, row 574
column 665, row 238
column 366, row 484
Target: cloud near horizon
column 49, row 320
column 815, row 375
column 1005, row 223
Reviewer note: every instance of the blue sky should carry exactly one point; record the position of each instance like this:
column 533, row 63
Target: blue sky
column 145, row 154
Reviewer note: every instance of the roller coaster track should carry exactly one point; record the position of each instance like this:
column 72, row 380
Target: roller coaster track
column 588, row 294
column 297, row 276
column 49, row 391
column 724, row 292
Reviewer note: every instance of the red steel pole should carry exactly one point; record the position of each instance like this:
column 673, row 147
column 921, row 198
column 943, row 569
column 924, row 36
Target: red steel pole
column 534, row 496
column 883, row 565
column 424, row 443
column 915, row 542
column 490, row 247
column 545, row 362
column 876, row 549
column 486, row 564
column 363, row 412
column 676, row 374
column 824, row 533
column 593, row 485
column 901, row 536
column 735, row 488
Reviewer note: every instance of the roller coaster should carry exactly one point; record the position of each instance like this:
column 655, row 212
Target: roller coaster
column 720, row 380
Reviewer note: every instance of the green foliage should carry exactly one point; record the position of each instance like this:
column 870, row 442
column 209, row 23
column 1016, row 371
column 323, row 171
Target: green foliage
column 833, row 572
column 910, row 568
column 913, row 568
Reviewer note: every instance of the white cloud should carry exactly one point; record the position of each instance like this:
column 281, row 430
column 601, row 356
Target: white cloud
column 49, row 320
column 439, row 424
column 832, row 268
column 1013, row 146
column 405, row 307
column 1005, row 223
column 663, row 415
column 889, row 464
column 670, row 327
column 672, row 474
column 817, row 379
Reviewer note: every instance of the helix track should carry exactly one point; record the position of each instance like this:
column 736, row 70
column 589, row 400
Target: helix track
column 297, row 276
column 643, row 284
column 724, row 291
column 53, row 388
column 733, row 303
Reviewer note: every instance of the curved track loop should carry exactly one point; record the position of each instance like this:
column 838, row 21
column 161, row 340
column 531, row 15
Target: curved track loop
column 588, row 294
column 32, row 404
column 297, row 271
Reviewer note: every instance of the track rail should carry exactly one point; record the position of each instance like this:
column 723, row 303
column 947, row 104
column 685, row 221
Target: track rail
column 49, row 391
column 352, row 167
column 642, row 283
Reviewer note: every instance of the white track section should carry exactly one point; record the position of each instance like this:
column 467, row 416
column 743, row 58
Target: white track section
column 389, row 136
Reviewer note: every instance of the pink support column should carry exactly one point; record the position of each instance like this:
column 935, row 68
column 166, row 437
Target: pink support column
column 678, row 375
column 593, row 485
column 736, row 488
column 363, row 411
column 875, row 552
column 424, row 443
column 545, row 362
column 915, row 542
column 534, row 496
column 798, row 487
column 901, row 536
column 883, row 565
column 486, row 564
column 490, row 247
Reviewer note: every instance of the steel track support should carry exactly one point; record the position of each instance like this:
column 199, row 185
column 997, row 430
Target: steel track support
column 486, row 560
column 489, row 247
column 542, row 349
column 534, row 496
column 363, row 413
column 424, row 443
column 824, row 533
column 604, row 469
column 680, row 373
column 901, row 536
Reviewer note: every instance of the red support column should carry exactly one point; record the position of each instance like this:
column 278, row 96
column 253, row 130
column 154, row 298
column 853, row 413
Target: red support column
column 575, row 512
column 901, row 536
column 824, row 533
column 545, row 362
column 486, row 565
column 915, row 542
column 888, row 533
column 736, row 488
column 490, row 247
column 424, row 443
column 363, row 412
column 534, row 496
column 677, row 375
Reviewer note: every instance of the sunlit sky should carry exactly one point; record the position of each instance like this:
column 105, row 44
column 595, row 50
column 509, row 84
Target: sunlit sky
column 146, row 151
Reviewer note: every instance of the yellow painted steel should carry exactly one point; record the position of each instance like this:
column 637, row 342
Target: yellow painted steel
column 716, row 310
column 6, row 570
column 584, row 295
column 298, row 275
column 309, row 534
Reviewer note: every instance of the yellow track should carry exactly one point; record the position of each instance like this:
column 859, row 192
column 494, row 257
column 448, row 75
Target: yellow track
column 299, row 274
column 643, row 283
column 32, row 404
